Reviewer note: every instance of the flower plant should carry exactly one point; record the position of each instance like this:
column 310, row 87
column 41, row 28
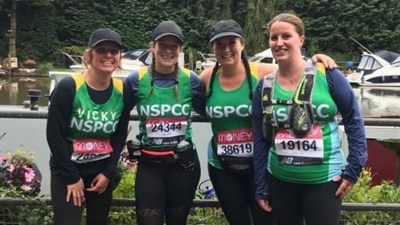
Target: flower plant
column 20, row 173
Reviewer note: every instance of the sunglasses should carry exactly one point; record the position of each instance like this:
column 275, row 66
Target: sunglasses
column 104, row 51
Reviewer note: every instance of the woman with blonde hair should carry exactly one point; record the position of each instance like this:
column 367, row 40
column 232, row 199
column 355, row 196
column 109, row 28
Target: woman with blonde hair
column 86, row 132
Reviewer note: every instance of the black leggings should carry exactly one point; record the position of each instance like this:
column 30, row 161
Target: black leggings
column 165, row 191
column 315, row 204
column 236, row 194
column 66, row 213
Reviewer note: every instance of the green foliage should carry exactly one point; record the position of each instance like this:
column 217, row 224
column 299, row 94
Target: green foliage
column 329, row 25
column 258, row 15
column 364, row 192
column 37, row 33
column 46, row 27
column 122, row 215
column 44, row 68
column 73, row 50
column 39, row 214
column 126, row 186
column 207, row 216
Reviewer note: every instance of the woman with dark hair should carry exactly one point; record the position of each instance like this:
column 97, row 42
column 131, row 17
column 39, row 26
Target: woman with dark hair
column 168, row 166
column 230, row 87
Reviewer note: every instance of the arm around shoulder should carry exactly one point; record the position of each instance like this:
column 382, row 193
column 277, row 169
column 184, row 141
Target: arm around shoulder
column 265, row 69
column 261, row 146
column 205, row 76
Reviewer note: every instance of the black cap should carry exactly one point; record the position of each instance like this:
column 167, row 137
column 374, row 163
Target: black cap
column 104, row 34
column 168, row 28
column 226, row 28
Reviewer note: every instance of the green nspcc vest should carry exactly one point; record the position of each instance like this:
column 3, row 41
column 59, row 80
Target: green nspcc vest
column 164, row 112
column 325, row 137
column 92, row 120
column 229, row 113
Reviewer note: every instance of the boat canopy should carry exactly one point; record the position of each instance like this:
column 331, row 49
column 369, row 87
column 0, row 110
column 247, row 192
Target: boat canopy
column 387, row 55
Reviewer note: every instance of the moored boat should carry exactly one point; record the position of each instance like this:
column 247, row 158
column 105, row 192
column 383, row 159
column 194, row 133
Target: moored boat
column 129, row 63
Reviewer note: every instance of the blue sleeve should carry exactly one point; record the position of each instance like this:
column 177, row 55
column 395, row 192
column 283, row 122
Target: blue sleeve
column 199, row 94
column 118, row 138
column 261, row 146
column 131, row 85
column 343, row 95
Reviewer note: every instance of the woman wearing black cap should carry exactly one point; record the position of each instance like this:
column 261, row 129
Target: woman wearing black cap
column 86, row 131
column 164, row 94
column 230, row 86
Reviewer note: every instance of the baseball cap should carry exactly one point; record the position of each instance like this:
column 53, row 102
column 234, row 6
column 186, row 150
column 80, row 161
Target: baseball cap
column 226, row 28
column 168, row 28
column 104, row 34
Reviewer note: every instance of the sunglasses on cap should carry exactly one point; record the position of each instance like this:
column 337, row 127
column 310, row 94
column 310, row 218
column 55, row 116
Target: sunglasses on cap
column 104, row 51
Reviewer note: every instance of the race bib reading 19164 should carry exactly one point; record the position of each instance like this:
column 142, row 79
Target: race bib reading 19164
column 300, row 150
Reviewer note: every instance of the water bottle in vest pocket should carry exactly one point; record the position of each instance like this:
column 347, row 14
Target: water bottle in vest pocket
column 301, row 118
column 134, row 149
column 185, row 154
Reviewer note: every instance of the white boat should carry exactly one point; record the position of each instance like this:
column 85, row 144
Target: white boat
column 56, row 76
column 2, row 71
column 128, row 64
column 377, row 69
column 208, row 60
column 130, row 61
column 381, row 69
column 263, row 57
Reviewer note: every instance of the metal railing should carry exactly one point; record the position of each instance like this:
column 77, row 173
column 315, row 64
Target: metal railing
column 7, row 111
column 363, row 213
column 201, row 203
column 352, row 213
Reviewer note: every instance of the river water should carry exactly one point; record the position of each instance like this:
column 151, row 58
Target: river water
column 15, row 91
column 30, row 134
column 374, row 102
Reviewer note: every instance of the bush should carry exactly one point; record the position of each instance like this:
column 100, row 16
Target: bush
column 44, row 68
column 73, row 50
column 125, row 188
column 364, row 192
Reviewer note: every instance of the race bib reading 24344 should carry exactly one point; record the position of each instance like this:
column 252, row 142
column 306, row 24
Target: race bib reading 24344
column 163, row 127
column 238, row 143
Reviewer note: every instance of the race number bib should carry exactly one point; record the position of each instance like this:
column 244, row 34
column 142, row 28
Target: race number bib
column 92, row 146
column 237, row 143
column 166, row 127
column 300, row 151
column 89, row 150
column 85, row 158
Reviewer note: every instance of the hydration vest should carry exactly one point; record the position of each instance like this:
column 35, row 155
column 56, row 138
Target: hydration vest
column 301, row 118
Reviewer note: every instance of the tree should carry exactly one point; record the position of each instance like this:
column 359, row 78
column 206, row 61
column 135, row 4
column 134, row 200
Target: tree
column 12, row 32
column 259, row 12
column 329, row 24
